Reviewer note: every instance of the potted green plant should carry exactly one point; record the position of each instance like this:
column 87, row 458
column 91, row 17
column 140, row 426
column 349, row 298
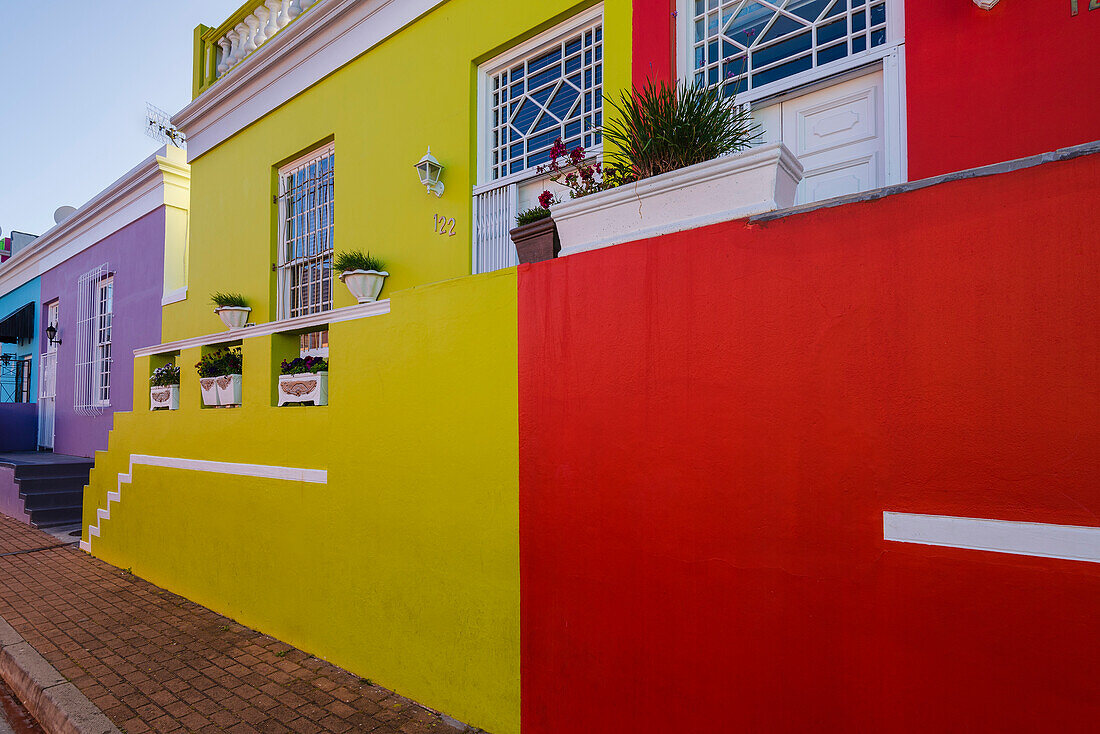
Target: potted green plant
column 679, row 157
column 303, row 380
column 232, row 308
column 220, row 377
column 362, row 273
column 535, row 235
column 164, row 388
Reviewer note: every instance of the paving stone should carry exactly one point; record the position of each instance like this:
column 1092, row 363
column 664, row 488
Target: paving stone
column 153, row 661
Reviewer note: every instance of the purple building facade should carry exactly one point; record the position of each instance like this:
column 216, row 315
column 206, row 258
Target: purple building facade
column 131, row 262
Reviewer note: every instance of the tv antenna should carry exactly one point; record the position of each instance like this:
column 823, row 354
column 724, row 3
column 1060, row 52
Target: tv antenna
column 158, row 126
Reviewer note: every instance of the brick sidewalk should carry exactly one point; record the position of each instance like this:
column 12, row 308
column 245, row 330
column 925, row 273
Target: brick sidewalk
column 154, row 661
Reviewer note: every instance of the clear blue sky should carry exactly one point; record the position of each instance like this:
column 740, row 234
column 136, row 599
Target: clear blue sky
column 74, row 80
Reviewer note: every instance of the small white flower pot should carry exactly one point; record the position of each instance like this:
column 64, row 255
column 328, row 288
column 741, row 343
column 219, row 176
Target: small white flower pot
column 164, row 398
column 209, row 388
column 234, row 317
column 309, row 387
column 229, row 389
column 758, row 180
column 365, row 285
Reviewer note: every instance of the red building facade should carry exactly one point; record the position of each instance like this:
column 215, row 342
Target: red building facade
column 706, row 539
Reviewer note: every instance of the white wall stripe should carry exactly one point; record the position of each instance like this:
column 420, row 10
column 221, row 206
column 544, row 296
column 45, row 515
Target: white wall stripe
column 264, row 471
column 1069, row 542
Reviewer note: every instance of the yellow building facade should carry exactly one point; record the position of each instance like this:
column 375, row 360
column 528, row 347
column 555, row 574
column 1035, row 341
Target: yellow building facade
column 379, row 531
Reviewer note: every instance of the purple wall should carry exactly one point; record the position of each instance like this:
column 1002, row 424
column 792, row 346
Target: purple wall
column 135, row 254
column 10, row 504
column 18, row 426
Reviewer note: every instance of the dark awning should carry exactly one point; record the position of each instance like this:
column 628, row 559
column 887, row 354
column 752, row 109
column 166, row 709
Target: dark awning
column 19, row 324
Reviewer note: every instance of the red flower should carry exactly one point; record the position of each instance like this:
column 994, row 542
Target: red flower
column 577, row 155
column 546, row 199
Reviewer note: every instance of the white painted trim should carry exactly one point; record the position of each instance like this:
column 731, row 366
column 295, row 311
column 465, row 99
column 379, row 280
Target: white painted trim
column 1069, row 542
column 263, row 471
column 986, row 4
column 180, row 294
column 332, row 34
column 349, row 313
column 140, row 191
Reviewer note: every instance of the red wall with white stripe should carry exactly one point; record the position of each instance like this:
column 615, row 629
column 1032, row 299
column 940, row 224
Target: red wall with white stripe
column 712, row 424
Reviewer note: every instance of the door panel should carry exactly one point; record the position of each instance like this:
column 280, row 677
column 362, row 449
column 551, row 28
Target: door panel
column 836, row 132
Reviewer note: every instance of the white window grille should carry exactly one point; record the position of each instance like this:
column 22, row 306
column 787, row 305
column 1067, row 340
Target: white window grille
column 552, row 91
column 746, row 44
column 495, row 213
column 305, row 234
column 95, row 306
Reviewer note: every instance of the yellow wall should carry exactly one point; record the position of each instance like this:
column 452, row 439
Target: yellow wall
column 416, row 89
column 404, row 567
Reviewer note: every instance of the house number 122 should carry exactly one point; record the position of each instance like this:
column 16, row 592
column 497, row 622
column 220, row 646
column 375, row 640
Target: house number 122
column 445, row 226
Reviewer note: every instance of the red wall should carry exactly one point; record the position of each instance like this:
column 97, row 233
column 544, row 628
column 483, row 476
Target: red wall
column 654, row 41
column 987, row 86
column 712, row 424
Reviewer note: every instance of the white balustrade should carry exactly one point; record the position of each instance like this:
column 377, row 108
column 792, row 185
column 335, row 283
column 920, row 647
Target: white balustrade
column 254, row 30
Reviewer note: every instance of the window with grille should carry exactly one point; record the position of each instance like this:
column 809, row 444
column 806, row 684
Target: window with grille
column 551, row 92
column 305, row 234
column 105, row 295
column 746, row 44
column 94, row 327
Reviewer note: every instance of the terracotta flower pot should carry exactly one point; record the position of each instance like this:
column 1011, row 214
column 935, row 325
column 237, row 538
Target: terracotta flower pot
column 536, row 241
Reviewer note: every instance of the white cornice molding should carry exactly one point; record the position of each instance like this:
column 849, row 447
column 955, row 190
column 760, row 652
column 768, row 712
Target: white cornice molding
column 328, row 36
column 138, row 192
column 986, row 4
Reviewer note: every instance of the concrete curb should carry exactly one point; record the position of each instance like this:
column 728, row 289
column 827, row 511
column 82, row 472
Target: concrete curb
column 57, row 704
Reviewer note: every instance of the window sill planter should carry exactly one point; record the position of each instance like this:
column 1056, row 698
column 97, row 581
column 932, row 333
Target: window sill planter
column 536, row 241
column 365, row 285
column 234, row 317
column 164, row 398
column 209, row 389
column 308, row 387
column 229, row 389
column 759, row 180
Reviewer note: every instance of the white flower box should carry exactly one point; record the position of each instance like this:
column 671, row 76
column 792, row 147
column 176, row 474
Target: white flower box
column 759, row 180
column 209, row 389
column 229, row 389
column 164, row 398
column 365, row 285
column 234, row 317
column 304, row 388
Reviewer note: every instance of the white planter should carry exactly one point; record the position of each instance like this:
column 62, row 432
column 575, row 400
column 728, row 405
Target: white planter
column 234, row 317
column 365, row 285
column 229, row 389
column 304, row 388
column 209, row 389
column 167, row 397
column 759, row 180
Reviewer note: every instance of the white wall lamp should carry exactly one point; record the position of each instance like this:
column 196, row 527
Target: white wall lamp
column 430, row 170
column 986, row 4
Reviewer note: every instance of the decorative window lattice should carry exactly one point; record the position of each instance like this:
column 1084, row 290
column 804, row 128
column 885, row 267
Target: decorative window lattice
column 745, row 44
column 557, row 91
column 95, row 306
column 306, row 230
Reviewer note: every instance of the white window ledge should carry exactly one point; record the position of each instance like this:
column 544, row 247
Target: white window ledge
column 180, row 294
column 350, row 313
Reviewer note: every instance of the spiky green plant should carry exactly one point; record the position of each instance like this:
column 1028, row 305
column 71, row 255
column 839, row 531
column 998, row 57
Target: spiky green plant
column 662, row 128
column 358, row 260
column 535, row 214
column 220, row 299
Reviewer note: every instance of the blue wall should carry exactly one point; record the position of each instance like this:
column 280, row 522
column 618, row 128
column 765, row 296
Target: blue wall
column 22, row 295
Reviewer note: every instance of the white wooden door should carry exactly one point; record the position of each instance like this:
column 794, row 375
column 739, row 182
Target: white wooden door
column 47, row 385
column 836, row 132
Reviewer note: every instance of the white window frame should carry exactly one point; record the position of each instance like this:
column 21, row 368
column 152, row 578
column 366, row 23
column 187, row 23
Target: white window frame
column 487, row 70
column 890, row 56
column 104, row 332
column 282, row 266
